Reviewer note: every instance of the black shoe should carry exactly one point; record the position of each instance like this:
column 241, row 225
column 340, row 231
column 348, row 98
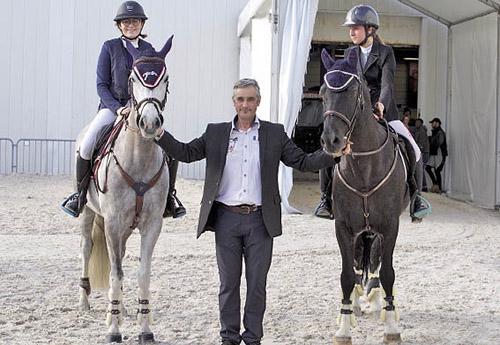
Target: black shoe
column 71, row 205
column 254, row 343
column 324, row 209
column 225, row 341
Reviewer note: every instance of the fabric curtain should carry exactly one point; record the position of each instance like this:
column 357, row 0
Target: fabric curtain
column 298, row 18
column 471, row 128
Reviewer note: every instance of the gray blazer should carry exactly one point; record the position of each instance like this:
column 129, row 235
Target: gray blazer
column 275, row 146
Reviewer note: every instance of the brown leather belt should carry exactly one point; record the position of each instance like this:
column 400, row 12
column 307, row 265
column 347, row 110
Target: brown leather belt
column 240, row 209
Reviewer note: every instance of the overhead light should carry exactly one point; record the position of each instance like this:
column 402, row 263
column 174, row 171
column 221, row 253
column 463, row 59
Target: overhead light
column 410, row 59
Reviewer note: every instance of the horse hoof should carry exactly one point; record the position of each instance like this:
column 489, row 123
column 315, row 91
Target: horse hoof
column 392, row 338
column 146, row 338
column 342, row 341
column 357, row 311
column 114, row 338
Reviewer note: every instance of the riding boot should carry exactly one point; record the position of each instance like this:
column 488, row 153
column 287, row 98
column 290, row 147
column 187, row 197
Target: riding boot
column 419, row 207
column 174, row 207
column 74, row 204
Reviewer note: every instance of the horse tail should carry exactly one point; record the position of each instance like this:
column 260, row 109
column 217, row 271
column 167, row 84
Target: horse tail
column 99, row 267
column 367, row 248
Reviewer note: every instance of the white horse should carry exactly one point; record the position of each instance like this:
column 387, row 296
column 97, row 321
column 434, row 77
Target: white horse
column 129, row 191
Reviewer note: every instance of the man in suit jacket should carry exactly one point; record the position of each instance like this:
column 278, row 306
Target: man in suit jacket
column 241, row 202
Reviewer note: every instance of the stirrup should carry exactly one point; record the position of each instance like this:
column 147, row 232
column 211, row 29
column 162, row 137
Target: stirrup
column 427, row 209
column 180, row 210
column 68, row 199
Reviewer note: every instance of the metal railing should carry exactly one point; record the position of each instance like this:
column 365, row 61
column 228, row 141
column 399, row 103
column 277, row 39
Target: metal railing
column 37, row 156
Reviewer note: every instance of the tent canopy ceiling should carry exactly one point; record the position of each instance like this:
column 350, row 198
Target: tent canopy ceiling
column 449, row 13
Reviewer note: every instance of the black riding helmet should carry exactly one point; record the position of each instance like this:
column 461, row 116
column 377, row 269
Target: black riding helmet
column 362, row 15
column 130, row 9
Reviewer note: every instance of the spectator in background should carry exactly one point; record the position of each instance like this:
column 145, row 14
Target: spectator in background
column 422, row 140
column 438, row 151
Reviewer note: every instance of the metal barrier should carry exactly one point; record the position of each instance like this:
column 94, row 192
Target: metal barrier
column 37, row 156
column 6, row 155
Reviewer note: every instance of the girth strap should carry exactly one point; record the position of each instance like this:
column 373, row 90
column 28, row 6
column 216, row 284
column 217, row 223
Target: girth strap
column 140, row 188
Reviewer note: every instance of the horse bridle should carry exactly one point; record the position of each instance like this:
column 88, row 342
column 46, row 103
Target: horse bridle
column 158, row 104
column 352, row 122
column 359, row 105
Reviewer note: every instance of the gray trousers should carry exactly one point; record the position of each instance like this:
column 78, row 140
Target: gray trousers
column 236, row 237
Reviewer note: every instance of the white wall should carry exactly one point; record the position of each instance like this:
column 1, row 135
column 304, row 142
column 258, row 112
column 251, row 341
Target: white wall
column 50, row 55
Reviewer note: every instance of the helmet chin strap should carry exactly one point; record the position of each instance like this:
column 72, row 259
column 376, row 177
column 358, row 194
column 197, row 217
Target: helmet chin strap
column 367, row 35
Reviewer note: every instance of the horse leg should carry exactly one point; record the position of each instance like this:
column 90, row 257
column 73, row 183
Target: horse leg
column 114, row 315
column 85, row 223
column 389, row 314
column 373, row 290
column 144, row 316
column 358, row 271
column 346, row 317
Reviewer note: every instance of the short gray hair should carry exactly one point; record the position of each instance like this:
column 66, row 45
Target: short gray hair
column 245, row 82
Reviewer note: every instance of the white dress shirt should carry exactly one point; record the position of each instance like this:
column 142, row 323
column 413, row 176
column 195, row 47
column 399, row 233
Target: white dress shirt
column 241, row 179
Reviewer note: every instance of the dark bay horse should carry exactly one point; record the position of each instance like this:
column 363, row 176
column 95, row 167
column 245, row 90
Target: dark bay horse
column 369, row 193
column 129, row 192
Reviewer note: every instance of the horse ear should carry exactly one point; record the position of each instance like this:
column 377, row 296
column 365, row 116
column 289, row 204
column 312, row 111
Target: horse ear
column 352, row 58
column 328, row 61
column 166, row 48
column 132, row 50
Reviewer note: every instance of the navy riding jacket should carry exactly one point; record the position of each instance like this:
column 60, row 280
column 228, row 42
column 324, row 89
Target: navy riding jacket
column 113, row 69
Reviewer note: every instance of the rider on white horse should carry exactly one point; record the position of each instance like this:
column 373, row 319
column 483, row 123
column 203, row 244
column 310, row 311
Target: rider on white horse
column 113, row 69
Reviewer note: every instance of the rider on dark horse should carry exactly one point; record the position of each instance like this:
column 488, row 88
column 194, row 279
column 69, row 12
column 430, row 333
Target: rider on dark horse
column 377, row 63
column 113, row 68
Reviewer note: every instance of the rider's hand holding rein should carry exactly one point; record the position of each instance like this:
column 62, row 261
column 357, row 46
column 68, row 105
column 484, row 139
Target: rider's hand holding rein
column 122, row 111
column 379, row 110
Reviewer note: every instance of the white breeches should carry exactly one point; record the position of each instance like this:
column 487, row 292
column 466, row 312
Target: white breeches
column 104, row 117
column 400, row 128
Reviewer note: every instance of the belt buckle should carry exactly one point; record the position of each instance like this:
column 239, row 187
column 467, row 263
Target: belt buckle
column 246, row 209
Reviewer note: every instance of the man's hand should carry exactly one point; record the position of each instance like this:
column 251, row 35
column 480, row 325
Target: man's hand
column 345, row 151
column 159, row 133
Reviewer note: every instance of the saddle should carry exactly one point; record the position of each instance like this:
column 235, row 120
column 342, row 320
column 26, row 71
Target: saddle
column 406, row 149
